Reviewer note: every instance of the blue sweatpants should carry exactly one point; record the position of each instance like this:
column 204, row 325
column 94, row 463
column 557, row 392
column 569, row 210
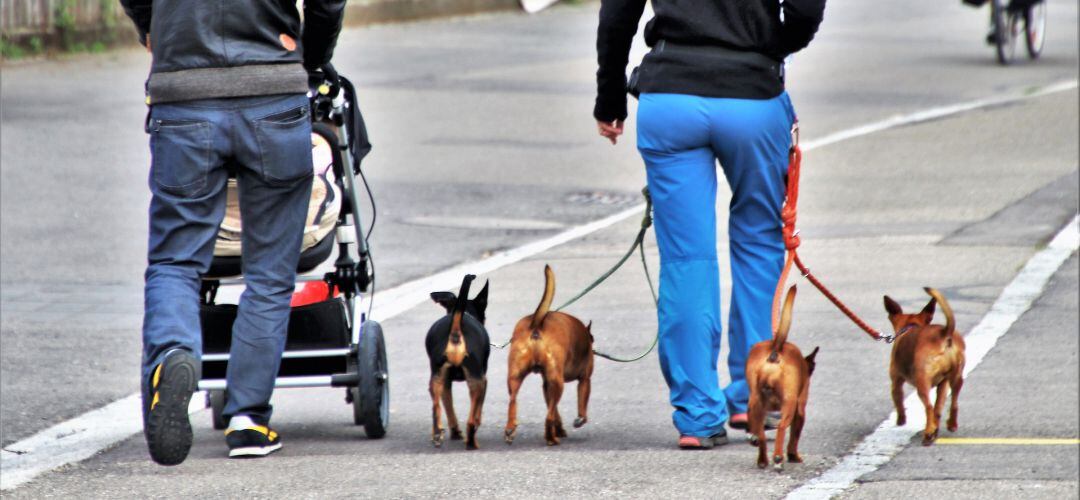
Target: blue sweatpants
column 681, row 137
column 267, row 140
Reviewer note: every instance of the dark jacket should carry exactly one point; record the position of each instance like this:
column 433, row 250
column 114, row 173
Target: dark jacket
column 711, row 48
column 206, row 49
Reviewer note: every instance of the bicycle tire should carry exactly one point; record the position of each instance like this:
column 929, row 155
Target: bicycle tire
column 1035, row 29
column 1004, row 35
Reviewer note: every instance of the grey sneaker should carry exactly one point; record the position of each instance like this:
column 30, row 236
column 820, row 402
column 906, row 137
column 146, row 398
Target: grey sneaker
column 703, row 443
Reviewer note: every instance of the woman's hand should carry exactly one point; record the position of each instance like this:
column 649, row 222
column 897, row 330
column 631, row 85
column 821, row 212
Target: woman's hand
column 611, row 131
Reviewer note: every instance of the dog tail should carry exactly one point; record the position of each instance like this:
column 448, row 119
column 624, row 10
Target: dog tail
column 456, row 350
column 545, row 302
column 950, row 322
column 462, row 302
column 780, row 336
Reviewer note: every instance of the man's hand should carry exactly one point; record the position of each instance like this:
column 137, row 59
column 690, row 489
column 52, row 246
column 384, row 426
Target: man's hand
column 611, row 131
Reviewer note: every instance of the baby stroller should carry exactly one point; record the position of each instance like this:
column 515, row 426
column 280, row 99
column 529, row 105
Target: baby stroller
column 331, row 342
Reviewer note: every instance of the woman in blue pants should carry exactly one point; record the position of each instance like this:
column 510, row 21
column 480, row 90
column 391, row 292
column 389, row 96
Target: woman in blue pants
column 711, row 89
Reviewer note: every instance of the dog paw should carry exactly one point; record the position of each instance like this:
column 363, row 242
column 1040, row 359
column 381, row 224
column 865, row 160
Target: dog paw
column 509, row 434
column 455, row 434
column 438, row 438
column 778, row 463
column 794, row 458
column 560, row 432
column 472, row 446
column 953, row 426
column 761, row 464
column 580, row 421
column 928, row 439
column 901, row 420
column 752, row 439
column 553, row 441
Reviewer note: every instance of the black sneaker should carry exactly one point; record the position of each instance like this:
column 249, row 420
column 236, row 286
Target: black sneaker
column 165, row 420
column 253, row 441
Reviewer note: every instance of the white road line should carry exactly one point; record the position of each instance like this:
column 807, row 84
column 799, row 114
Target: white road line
column 934, row 114
column 887, row 440
column 90, row 433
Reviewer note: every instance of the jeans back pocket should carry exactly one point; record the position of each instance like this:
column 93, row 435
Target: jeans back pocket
column 285, row 146
column 180, row 155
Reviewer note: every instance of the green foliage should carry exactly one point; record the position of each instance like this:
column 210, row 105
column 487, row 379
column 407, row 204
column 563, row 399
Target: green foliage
column 9, row 50
column 64, row 23
column 36, row 45
column 108, row 14
column 97, row 47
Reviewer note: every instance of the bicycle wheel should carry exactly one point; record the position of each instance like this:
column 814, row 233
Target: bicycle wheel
column 1035, row 29
column 1004, row 24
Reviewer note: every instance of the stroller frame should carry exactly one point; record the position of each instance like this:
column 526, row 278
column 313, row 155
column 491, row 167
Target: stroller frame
column 356, row 357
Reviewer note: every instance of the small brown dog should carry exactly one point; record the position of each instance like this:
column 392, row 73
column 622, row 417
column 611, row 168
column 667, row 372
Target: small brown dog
column 558, row 346
column 779, row 379
column 925, row 356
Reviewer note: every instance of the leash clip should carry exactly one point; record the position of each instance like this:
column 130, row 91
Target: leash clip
column 887, row 338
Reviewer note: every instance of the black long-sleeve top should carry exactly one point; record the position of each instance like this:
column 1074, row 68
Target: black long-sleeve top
column 711, row 48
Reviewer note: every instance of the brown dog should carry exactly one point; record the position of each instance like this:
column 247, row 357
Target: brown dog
column 779, row 379
column 925, row 356
column 558, row 346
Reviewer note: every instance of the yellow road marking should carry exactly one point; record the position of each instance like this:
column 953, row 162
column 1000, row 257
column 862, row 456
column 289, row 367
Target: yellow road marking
column 1011, row 441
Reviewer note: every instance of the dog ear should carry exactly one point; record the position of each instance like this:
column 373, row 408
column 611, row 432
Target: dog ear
column 892, row 307
column 481, row 300
column 445, row 299
column 928, row 312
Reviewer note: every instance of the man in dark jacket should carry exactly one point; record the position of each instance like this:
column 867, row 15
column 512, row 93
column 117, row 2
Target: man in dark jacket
column 227, row 91
column 711, row 89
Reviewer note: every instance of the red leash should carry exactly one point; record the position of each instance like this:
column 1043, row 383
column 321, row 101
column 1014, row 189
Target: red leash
column 791, row 241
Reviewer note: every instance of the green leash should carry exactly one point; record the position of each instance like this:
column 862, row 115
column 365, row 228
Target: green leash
column 639, row 245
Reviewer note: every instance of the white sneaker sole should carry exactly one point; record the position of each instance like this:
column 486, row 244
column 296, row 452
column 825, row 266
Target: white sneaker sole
column 254, row 451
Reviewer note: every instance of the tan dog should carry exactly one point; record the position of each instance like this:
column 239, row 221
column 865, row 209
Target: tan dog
column 925, row 356
column 779, row 379
column 558, row 346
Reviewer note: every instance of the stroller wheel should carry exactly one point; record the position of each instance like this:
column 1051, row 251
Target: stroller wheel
column 216, row 400
column 371, row 398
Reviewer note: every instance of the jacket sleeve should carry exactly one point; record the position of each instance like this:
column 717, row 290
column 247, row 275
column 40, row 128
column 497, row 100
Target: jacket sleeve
column 139, row 12
column 801, row 21
column 618, row 25
column 322, row 24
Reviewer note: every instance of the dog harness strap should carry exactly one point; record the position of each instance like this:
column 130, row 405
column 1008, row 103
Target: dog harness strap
column 788, row 215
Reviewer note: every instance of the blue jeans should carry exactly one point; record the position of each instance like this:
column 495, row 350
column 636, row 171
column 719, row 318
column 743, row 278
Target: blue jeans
column 266, row 142
column 681, row 137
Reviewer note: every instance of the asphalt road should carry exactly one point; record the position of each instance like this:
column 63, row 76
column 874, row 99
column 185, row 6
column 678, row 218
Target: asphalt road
column 483, row 141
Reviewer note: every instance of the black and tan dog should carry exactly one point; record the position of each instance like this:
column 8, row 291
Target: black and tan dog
column 558, row 346
column 458, row 348
column 779, row 379
column 925, row 356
